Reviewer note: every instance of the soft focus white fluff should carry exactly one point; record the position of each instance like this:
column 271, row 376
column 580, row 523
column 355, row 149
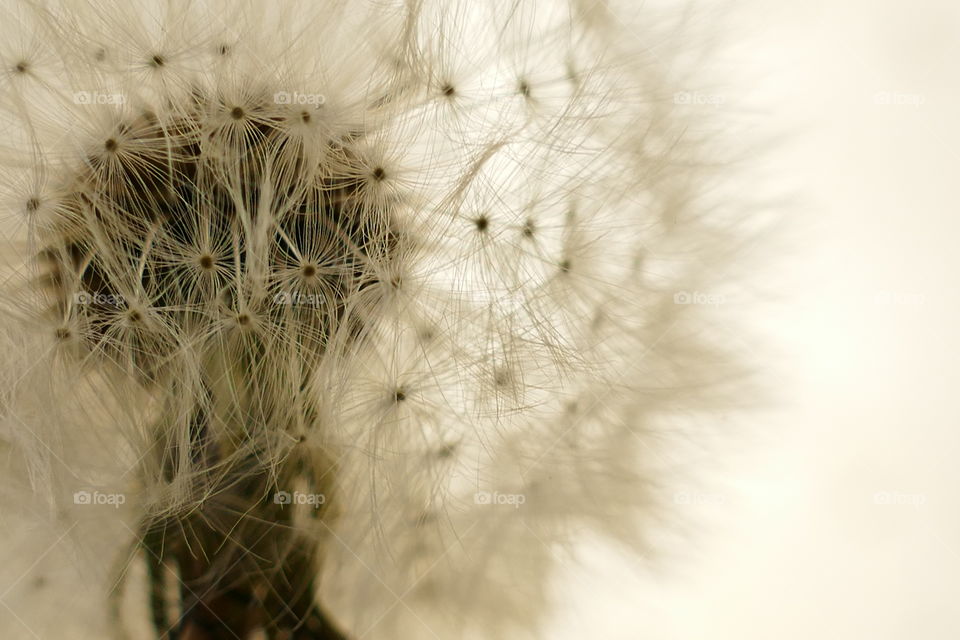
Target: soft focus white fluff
column 536, row 356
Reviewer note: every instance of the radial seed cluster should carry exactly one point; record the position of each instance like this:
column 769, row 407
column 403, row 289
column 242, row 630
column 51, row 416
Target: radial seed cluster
column 417, row 260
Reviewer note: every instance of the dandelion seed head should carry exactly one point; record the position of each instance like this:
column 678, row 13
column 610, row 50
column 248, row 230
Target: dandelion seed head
column 374, row 252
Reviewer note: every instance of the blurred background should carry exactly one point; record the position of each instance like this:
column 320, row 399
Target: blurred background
column 835, row 514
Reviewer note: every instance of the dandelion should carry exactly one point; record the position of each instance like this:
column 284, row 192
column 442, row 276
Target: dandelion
column 362, row 308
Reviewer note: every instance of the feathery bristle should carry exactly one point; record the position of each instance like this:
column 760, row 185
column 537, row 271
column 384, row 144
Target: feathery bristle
column 357, row 309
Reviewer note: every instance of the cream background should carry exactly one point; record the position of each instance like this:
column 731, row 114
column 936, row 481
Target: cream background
column 791, row 541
